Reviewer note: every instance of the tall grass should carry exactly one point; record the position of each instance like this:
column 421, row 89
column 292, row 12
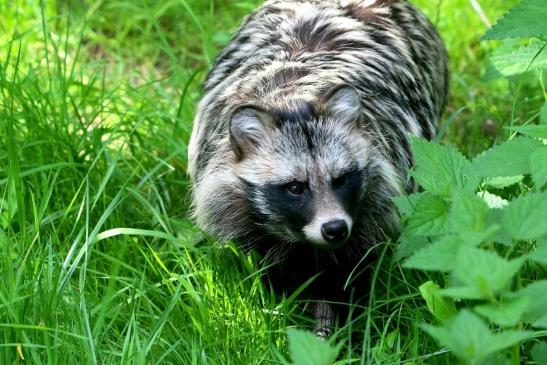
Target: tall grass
column 99, row 262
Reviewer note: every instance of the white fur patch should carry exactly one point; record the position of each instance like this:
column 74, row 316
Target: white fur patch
column 313, row 230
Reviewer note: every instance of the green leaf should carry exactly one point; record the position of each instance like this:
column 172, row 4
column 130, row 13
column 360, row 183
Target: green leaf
column 429, row 217
column 500, row 235
column 470, row 339
column 409, row 244
column 507, row 313
column 384, row 350
column 307, row 349
column 438, row 256
column 538, row 166
column 539, row 255
column 441, row 254
column 507, row 159
column 439, row 169
column 476, row 238
column 507, row 339
column 391, row 339
column 526, row 217
column 442, row 308
column 537, row 294
column 531, row 130
column 539, row 352
column 484, row 270
column 525, row 20
column 541, row 322
column 498, row 358
column 513, row 59
column 406, row 203
column 468, row 212
column 501, row 182
column 462, row 292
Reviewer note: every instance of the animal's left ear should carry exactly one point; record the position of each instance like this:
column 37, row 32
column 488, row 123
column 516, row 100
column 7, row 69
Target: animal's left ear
column 342, row 103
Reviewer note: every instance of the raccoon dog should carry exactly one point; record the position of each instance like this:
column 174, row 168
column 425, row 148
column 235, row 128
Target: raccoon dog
column 302, row 136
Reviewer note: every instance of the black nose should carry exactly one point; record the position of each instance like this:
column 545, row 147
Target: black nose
column 335, row 231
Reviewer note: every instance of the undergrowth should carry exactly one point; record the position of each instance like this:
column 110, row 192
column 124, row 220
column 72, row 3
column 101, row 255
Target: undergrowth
column 99, row 262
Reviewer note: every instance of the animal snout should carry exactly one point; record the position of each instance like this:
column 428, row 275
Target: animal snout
column 335, row 231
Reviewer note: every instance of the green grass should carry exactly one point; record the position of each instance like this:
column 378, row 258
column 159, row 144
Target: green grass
column 99, row 262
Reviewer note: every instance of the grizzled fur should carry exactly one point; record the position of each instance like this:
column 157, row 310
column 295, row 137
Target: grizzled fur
column 306, row 118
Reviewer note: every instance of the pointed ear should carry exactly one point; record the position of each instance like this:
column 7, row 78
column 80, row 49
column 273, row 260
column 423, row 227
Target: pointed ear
column 342, row 103
column 249, row 127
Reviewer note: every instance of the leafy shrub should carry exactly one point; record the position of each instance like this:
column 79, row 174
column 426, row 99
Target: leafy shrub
column 482, row 224
column 490, row 250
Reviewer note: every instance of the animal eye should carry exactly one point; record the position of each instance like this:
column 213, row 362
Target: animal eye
column 340, row 181
column 295, row 188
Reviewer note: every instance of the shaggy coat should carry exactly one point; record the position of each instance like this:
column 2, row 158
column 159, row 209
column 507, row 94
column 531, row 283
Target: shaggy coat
column 306, row 120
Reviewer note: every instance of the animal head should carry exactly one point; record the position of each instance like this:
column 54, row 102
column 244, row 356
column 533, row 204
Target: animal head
column 304, row 168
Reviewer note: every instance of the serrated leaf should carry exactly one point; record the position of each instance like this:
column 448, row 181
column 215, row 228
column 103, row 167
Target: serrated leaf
column 525, row 20
column 306, row 348
column 500, row 235
column 406, row 203
column 441, row 308
column 526, row 217
column 537, row 294
column 507, row 313
column 507, row 159
column 536, row 131
column 441, row 255
column 467, row 212
column 511, row 59
column 470, row 339
column 438, row 256
column 476, row 238
column 507, row 339
column 492, row 201
column 538, row 166
column 409, row 244
column 440, row 169
column 539, row 352
column 501, row 182
column 484, row 270
column 429, row 217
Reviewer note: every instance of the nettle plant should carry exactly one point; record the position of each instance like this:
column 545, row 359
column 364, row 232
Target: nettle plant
column 491, row 251
column 482, row 224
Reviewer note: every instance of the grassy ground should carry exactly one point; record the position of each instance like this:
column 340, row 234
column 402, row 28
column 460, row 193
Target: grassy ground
column 99, row 262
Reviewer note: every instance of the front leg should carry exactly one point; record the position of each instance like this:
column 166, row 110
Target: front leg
column 324, row 319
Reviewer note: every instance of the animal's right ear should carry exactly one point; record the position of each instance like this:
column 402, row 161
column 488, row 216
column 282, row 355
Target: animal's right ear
column 249, row 130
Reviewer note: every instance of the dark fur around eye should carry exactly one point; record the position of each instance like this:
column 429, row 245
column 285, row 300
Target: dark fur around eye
column 295, row 188
column 339, row 181
column 292, row 210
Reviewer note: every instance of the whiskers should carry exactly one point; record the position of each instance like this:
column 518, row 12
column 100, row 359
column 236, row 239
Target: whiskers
column 277, row 253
